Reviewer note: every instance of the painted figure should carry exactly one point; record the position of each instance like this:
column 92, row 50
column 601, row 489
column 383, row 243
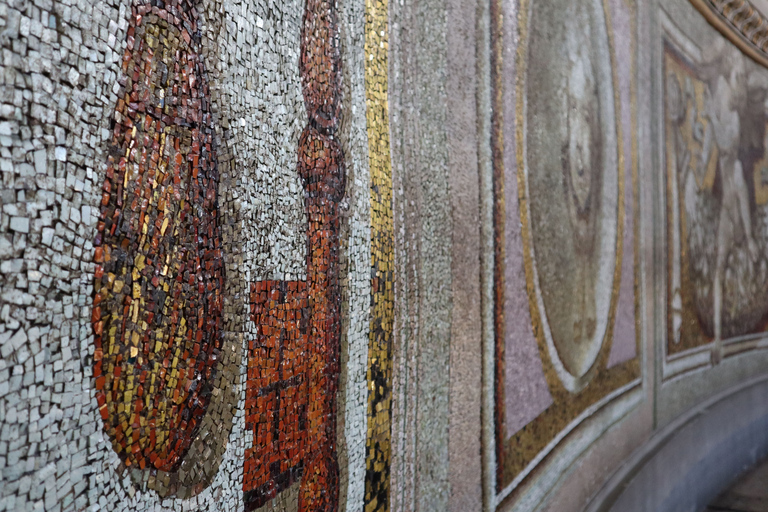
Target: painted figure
column 574, row 183
column 582, row 172
column 678, row 114
column 708, row 147
column 726, row 98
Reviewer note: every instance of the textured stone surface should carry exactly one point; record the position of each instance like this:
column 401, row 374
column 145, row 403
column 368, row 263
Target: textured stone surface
column 423, row 236
column 464, row 479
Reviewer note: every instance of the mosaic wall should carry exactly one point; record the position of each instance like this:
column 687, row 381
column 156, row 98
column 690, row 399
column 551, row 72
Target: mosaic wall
column 191, row 244
column 361, row 255
column 565, row 262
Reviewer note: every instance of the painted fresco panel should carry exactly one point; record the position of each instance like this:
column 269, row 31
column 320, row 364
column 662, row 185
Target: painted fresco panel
column 716, row 176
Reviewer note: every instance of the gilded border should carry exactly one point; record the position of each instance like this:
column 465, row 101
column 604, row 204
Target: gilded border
column 499, row 213
column 379, row 377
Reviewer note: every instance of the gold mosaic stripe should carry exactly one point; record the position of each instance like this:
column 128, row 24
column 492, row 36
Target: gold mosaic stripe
column 379, row 378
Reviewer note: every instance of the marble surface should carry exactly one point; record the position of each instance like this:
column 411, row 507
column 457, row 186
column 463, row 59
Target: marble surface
column 748, row 494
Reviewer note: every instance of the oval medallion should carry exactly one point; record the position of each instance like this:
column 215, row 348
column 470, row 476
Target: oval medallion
column 157, row 314
column 573, row 182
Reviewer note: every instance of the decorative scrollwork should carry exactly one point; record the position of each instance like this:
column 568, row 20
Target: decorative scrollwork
column 741, row 22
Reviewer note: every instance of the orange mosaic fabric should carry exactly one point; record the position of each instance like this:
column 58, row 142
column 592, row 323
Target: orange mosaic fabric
column 276, row 389
column 159, row 273
column 293, row 367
